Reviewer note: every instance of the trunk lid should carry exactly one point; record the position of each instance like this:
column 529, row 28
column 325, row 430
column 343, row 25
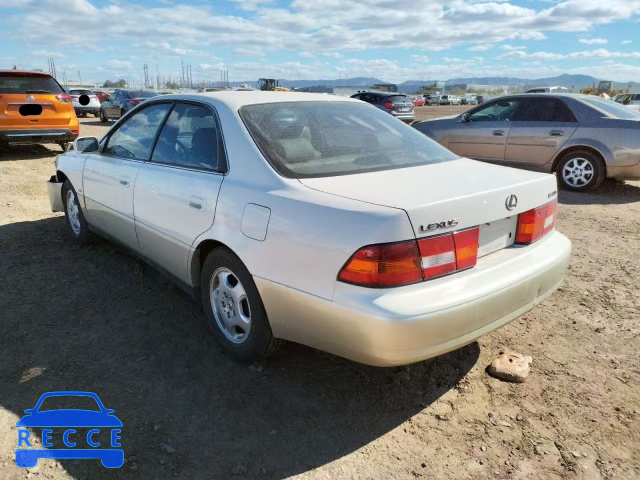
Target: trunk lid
column 450, row 196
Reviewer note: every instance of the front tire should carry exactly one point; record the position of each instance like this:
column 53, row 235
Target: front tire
column 234, row 310
column 580, row 171
column 78, row 226
column 103, row 117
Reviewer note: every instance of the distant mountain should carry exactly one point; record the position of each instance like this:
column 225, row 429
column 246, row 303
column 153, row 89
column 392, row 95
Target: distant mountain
column 412, row 86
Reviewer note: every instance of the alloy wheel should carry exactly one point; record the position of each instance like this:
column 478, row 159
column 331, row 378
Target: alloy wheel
column 578, row 172
column 73, row 213
column 230, row 305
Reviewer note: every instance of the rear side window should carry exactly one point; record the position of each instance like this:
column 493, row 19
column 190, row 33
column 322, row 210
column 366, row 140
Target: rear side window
column 14, row 83
column 134, row 138
column 543, row 110
column 189, row 138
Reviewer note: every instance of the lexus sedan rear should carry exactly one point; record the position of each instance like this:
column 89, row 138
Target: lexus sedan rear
column 317, row 220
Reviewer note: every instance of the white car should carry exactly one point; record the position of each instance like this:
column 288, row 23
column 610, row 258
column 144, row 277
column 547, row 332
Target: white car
column 317, row 219
column 85, row 101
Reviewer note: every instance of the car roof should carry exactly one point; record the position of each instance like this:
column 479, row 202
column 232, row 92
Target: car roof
column 24, row 72
column 235, row 99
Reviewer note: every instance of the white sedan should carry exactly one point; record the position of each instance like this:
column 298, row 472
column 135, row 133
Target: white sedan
column 317, row 219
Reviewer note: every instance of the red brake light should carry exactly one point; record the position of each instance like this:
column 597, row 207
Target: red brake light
column 388, row 105
column 395, row 264
column 466, row 242
column 135, row 102
column 64, row 97
column 384, row 265
column 438, row 255
column 537, row 222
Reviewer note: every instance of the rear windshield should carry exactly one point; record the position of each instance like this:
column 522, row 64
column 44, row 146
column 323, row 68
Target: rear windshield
column 611, row 108
column 325, row 139
column 399, row 99
column 80, row 92
column 142, row 94
column 13, row 83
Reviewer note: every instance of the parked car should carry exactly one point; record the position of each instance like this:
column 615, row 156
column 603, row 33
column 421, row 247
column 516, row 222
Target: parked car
column 469, row 100
column 35, row 109
column 121, row 101
column 449, row 100
column 418, row 101
column 480, row 99
column 317, row 219
column 555, row 89
column 397, row 104
column 85, row 101
column 102, row 95
column 582, row 138
column 433, row 100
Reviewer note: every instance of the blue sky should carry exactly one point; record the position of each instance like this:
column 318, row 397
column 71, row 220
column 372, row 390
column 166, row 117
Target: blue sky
column 394, row 40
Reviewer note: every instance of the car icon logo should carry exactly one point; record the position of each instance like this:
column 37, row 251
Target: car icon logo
column 31, row 98
column 88, row 433
column 511, row 202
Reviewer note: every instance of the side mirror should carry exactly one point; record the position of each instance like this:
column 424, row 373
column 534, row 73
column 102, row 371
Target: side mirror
column 86, row 145
column 465, row 118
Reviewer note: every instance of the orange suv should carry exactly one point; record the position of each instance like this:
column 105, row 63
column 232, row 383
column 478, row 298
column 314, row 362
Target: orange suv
column 34, row 108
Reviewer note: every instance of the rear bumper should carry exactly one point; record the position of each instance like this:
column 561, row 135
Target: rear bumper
column 88, row 109
column 404, row 116
column 44, row 135
column 387, row 327
column 624, row 173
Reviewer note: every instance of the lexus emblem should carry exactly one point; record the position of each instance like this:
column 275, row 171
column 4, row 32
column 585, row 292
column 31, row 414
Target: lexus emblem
column 30, row 98
column 511, row 202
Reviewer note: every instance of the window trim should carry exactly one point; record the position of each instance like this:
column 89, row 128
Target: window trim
column 122, row 121
column 222, row 162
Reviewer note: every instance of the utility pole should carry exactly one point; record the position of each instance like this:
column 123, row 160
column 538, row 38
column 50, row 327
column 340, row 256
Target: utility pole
column 145, row 68
column 157, row 78
column 182, row 83
column 80, row 77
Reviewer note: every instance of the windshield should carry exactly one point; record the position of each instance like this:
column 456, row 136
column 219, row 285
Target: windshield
column 324, row 139
column 67, row 402
column 13, row 83
column 611, row 108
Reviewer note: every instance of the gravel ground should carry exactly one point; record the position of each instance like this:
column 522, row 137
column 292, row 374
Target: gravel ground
column 99, row 319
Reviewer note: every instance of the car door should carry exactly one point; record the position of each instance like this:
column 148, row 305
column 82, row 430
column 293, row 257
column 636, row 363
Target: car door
column 176, row 192
column 539, row 128
column 108, row 105
column 109, row 175
column 484, row 135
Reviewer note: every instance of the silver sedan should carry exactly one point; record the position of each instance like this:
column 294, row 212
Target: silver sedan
column 319, row 220
column 584, row 139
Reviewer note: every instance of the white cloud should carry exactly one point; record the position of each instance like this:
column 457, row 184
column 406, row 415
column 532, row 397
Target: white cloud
column 626, row 42
column 593, row 41
column 480, row 48
column 305, row 54
column 48, row 53
column 420, row 58
column 598, row 53
column 512, row 47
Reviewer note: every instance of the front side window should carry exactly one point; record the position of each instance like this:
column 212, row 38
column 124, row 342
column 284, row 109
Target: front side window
column 323, row 139
column 134, row 138
column 499, row 110
column 189, row 138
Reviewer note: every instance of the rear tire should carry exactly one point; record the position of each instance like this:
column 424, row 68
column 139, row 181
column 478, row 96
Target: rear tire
column 103, row 117
column 234, row 310
column 78, row 226
column 580, row 170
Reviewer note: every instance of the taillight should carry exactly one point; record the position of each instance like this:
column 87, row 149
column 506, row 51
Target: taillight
column 388, row 105
column 135, row 102
column 537, row 222
column 448, row 253
column 395, row 264
column 385, row 265
column 64, row 97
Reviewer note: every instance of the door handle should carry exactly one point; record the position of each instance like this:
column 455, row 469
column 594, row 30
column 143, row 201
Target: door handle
column 498, row 133
column 124, row 180
column 197, row 202
column 556, row 133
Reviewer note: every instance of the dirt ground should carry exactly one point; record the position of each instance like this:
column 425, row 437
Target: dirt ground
column 99, row 319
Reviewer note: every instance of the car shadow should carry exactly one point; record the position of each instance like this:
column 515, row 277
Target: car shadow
column 98, row 319
column 97, row 123
column 14, row 152
column 611, row 192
